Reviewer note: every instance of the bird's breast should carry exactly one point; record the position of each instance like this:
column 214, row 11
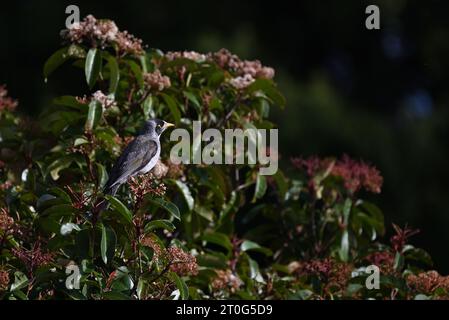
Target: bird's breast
column 150, row 165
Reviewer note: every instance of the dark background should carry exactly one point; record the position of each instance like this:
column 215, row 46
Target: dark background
column 380, row 95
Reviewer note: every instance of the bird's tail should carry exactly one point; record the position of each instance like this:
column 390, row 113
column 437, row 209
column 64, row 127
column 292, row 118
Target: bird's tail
column 108, row 190
column 111, row 190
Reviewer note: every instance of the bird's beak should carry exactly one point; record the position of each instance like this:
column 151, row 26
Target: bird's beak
column 168, row 125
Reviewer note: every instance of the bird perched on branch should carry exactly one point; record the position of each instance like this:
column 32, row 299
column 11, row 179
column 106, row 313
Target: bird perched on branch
column 139, row 157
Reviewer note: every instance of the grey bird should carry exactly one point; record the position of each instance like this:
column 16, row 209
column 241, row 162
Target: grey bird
column 139, row 157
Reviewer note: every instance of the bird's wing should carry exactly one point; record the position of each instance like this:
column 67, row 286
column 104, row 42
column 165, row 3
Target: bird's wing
column 135, row 157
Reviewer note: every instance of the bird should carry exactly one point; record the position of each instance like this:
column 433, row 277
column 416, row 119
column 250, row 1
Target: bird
column 139, row 156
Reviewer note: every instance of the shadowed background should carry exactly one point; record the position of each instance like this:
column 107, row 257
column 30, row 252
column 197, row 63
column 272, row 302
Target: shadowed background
column 377, row 95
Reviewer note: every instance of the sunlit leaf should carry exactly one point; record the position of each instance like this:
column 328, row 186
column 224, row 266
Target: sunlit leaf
column 93, row 115
column 181, row 285
column 108, row 242
column 92, row 67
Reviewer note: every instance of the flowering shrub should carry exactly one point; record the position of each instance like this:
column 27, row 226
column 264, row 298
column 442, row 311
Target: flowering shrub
column 183, row 231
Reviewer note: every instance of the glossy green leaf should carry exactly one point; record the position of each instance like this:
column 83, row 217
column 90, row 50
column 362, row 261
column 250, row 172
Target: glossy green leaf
column 114, row 74
column 248, row 245
column 194, row 100
column 54, row 61
column 137, row 71
column 261, row 187
column 122, row 280
column 147, row 252
column 108, row 242
column 102, row 175
column 59, row 164
column 219, row 239
column 255, row 271
column 94, row 115
column 147, row 107
column 344, row 246
column 181, row 285
column 172, row 106
column 61, row 194
column 167, row 205
column 185, row 193
column 124, row 212
column 269, row 89
column 159, row 224
column 20, row 281
column 92, row 66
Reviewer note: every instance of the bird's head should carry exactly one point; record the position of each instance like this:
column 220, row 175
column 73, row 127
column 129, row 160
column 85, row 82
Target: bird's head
column 155, row 126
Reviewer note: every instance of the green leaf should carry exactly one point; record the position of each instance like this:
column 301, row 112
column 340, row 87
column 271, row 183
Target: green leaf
column 67, row 228
column 20, row 281
column 282, row 185
column 248, row 245
column 194, row 100
column 102, row 175
column 60, row 194
column 398, row 261
column 137, row 71
column 59, row 164
column 20, row 295
column 122, row 280
column 181, row 285
column 216, row 79
column 144, row 63
column 185, row 192
column 268, row 88
column 108, row 242
column 147, row 252
column 124, row 212
column 159, row 224
column 376, row 215
column 92, row 67
column 147, row 107
column 219, row 239
column 167, row 205
column 344, row 246
column 55, row 60
column 353, row 288
column 172, row 106
column 141, row 288
column 79, row 141
column 346, row 211
column 254, row 271
column 93, row 115
column 261, row 187
column 417, row 254
column 114, row 76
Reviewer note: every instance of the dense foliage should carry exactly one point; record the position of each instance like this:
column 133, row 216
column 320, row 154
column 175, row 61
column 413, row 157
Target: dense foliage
column 183, row 231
